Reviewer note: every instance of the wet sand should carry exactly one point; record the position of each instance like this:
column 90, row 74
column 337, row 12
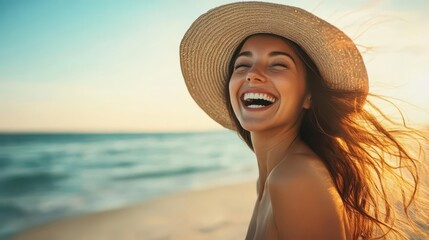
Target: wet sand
column 216, row 213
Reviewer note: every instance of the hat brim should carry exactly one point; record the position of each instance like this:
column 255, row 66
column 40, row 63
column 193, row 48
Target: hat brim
column 208, row 45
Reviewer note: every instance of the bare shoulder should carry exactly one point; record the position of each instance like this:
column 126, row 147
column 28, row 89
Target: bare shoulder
column 304, row 200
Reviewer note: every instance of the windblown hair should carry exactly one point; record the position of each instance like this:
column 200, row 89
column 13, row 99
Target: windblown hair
column 375, row 167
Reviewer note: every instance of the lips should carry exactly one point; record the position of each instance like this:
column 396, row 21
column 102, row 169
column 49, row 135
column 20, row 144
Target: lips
column 257, row 100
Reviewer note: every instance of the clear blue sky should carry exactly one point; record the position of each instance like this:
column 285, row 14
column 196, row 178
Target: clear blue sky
column 75, row 65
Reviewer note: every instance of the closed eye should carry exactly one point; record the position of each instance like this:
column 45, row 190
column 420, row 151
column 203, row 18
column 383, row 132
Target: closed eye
column 279, row 65
column 241, row 66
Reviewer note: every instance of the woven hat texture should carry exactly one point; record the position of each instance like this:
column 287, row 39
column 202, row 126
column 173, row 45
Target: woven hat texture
column 209, row 43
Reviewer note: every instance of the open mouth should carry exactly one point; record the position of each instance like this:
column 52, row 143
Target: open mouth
column 257, row 100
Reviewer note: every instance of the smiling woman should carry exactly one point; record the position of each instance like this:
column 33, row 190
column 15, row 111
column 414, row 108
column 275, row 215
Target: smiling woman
column 295, row 89
column 266, row 67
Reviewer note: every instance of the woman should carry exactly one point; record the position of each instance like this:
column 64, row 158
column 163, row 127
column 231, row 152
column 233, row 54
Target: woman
column 294, row 87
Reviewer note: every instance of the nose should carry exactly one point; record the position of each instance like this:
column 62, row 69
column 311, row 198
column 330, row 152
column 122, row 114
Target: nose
column 255, row 75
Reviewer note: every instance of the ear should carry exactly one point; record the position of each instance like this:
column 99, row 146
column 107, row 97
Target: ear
column 307, row 101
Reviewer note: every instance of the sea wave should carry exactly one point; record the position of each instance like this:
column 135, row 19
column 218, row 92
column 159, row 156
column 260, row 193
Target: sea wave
column 50, row 176
column 168, row 172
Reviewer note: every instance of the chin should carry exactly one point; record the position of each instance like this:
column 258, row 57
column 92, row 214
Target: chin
column 255, row 126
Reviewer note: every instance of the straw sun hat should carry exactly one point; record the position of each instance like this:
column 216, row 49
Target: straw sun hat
column 208, row 45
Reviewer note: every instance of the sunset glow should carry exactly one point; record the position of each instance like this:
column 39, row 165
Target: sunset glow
column 96, row 66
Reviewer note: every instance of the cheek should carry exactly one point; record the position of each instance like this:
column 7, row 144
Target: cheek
column 234, row 87
column 293, row 92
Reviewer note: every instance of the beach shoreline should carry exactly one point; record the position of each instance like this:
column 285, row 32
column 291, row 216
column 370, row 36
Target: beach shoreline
column 221, row 212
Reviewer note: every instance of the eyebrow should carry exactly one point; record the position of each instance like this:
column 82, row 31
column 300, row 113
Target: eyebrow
column 272, row 54
column 246, row 54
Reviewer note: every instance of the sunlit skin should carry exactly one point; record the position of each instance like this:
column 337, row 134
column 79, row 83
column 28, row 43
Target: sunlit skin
column 296, row 196
column 267, row 65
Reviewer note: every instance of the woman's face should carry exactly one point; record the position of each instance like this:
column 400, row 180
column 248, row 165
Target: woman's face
column 268, row 88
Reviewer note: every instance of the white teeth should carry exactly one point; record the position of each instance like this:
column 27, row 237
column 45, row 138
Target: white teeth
column 263, row 96
column 255, row 106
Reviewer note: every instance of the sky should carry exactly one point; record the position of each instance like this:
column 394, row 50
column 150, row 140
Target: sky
column 113, row 66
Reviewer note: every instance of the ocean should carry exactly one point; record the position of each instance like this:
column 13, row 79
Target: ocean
column 44, row 177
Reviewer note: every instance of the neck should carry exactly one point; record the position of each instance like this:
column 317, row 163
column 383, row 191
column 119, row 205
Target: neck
column 272, row 147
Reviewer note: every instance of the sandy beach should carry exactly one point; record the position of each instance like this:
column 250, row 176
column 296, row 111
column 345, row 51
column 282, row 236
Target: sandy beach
column 215, row 213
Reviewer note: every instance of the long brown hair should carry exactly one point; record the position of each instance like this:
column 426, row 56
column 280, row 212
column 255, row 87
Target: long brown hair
column 374, row 172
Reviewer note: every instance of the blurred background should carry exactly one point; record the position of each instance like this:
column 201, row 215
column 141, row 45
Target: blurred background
column 94, row 113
